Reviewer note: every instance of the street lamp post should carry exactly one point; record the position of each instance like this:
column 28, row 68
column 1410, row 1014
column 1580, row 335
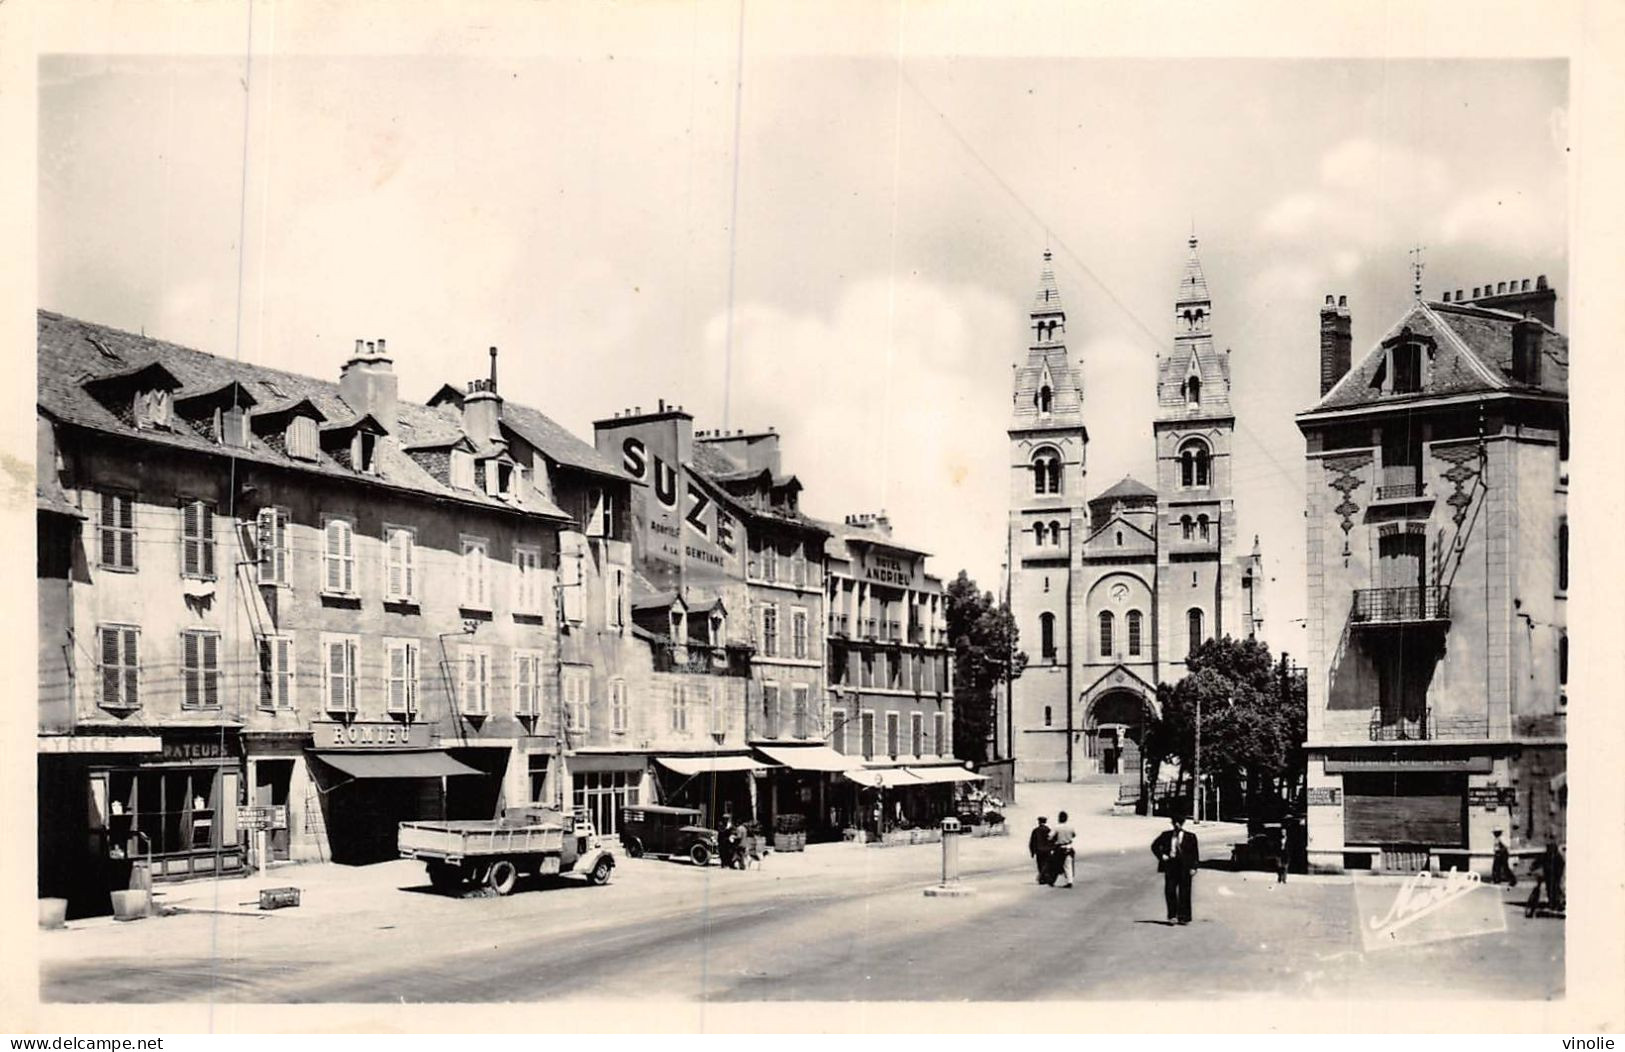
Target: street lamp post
column 1197, row 772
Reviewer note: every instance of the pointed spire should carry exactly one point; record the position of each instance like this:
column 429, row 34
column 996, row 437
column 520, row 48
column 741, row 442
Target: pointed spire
column 1047, row 300
column 1048, row 316
column 1193, row 285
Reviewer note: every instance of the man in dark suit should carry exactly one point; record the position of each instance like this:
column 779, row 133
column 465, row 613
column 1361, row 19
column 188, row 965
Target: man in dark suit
column 1177, row 857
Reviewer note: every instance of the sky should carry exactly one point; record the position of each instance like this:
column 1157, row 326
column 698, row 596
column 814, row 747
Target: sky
column 839, row 246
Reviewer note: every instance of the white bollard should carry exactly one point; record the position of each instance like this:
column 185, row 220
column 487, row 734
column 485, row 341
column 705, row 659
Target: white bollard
column 950, row 886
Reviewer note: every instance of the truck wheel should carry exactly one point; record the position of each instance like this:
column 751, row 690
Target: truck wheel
column 634, row 847
column 503, row 876
column 600, row 872
column 700, row 855
column 443, row 876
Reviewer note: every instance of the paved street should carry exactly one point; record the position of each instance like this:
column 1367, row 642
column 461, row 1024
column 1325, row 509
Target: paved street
column 839, row 922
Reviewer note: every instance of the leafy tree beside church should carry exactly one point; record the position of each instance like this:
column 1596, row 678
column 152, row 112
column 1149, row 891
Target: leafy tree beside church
column 984, row 639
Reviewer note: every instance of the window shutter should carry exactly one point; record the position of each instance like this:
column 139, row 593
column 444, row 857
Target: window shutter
column 191, row 559
column 397, row 564
column 397, row 678
column 409, row 554
column 347, row 539
column 189, row 668
column 206, row 534
column 109, row 536
column 132, row 668
column 268, row 674
column 211, row 670
column 332, row 557
column 112, row 675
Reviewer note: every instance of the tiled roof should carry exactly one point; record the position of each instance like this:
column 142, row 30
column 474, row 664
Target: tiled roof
column 559, row 444
column 841, row 532
column 1127, row 489
column 1473, row 353
column 717, row 464
column 72, row 352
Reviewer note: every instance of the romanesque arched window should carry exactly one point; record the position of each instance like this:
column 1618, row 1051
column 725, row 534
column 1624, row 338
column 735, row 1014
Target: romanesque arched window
column 1194, row 463
column 1134, row 633
column 1193, row 390
column 1046, row 635
column 1046, row 468
column 1106, row 625
column 1193, row 622
column 1186, row 528
column 1202, row 527
column 1046, row 400
column 1040, row 534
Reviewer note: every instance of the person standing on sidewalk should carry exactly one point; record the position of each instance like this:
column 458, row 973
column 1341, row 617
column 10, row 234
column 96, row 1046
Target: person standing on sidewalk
column 1177, row 858
column 1039, row 844
column 1064, row 866
column 1501, row 867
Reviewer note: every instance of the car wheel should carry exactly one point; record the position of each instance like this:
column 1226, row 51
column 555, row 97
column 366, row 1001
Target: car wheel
column 634, row 847
column 700, row 855
column 443, row 876
column 503, row 876
column 600, row 872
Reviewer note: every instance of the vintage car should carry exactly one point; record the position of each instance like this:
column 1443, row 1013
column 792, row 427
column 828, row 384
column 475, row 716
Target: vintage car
column 667, row 832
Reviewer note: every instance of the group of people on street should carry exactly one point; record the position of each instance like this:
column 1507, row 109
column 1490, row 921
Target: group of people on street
column 1175, row 849
column 1548, row 869
column 1052, row 851
column 731, row 840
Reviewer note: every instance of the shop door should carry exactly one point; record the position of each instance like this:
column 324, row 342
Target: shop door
column 1396, row 811
column 271, row 781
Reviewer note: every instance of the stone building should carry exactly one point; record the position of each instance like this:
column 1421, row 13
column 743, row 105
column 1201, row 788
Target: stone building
column 1437, row 489
column 268, row 590
column 1111, row 593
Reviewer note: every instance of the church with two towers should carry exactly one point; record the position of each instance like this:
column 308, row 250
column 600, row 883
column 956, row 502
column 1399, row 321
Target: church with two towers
column 1110, row 593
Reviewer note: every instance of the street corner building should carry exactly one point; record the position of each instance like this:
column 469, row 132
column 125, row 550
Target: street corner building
column 301, row 606
column 733, row 575
column 1111, row 594
column 1437, row 482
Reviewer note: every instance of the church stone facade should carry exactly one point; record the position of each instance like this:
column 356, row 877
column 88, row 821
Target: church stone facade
column 1111, row 592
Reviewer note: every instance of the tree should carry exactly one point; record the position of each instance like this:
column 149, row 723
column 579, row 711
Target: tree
column 983, row 635
column 1253, row 713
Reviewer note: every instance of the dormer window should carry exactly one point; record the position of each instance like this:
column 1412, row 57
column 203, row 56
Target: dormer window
column 462, row 469
column 154, row 408
column 301, row 438
column 364, row 452
column 1407, row 368
column 231, row 427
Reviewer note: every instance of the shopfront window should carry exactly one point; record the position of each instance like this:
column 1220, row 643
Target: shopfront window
column 164, row 811
column 603, row 793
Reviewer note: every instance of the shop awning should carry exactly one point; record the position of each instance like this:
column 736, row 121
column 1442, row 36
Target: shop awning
column 708, row 764
column 945, row 773
column 395, row 764
column 886, row 778
column 809, row 757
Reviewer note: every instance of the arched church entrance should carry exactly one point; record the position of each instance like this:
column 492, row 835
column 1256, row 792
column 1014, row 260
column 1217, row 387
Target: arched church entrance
column 1114, row 724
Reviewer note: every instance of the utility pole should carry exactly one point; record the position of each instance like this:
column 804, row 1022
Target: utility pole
column 1197, row 772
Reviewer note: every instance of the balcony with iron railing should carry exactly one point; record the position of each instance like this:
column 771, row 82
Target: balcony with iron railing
column 1425, row 604
column 1423, row 725
column 1399, row 482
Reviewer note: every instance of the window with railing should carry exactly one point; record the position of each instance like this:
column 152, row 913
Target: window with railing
column 1398, row 605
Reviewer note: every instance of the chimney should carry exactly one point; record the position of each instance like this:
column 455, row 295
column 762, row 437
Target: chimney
column 1336, row 342
column 1526, row 345
column 1539, row 302
column 482, row 412
column 493, row 366
column 367, row 383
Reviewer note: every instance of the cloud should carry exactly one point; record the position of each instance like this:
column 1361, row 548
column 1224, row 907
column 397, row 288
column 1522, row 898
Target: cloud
column 1504, row 218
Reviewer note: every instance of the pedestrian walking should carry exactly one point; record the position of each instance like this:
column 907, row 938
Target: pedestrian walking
column 1501, row 867
column 727, row 847
column 1064, row 864
column 1038, row 846
column 1177, row 858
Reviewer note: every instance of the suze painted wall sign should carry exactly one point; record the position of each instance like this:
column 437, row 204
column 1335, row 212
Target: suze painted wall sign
column 680, row 496
column 327, row 735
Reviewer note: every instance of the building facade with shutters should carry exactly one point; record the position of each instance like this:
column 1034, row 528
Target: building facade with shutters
column 1437, row 489
column 1110, row 593
column 304, row 598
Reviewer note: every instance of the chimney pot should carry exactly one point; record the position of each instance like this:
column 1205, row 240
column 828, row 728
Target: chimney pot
column 1524, row 285
column 1342, row 301
column 1540, row 282
column 380, row 346
column 1458, row 295
column 1328, row 299
column 1475, row 292
column 369, row 348
column 358, row 345
column 1500, row 287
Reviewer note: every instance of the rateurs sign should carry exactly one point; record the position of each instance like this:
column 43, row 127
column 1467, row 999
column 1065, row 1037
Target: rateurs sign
column 681, row 498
